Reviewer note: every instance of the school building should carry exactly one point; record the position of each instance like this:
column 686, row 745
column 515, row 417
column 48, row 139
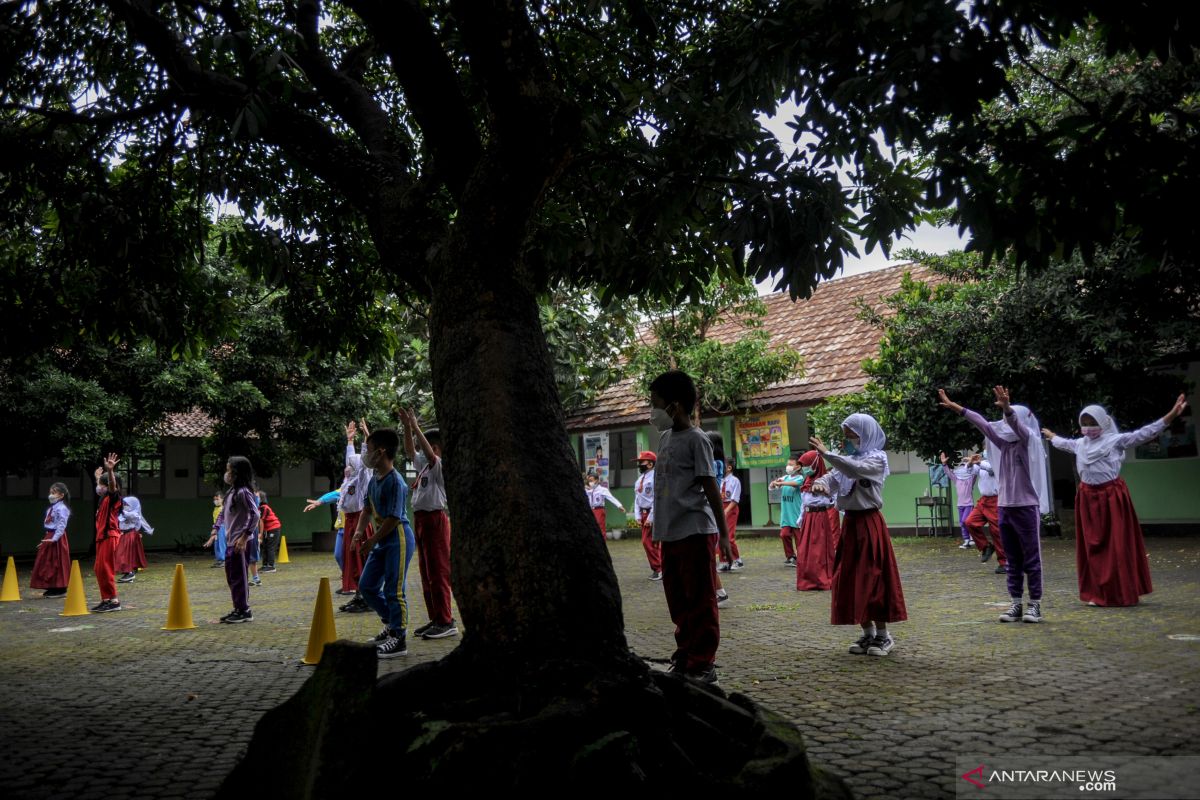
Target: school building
column 170, row 481
column 1163, row 477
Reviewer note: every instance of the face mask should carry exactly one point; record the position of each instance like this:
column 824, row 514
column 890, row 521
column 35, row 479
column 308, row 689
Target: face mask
column 217, row 503
column 660, row 419
column 370, row 459
column 789, row 469
column 1091, row 431
column 851, row 447
column 53, row 498
column 643, row 468
column 807, row 471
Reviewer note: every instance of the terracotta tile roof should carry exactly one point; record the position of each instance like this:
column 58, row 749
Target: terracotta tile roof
column 824, row 328
column 188, row 425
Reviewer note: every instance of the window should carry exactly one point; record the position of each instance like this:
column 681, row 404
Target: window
column 623, row 450
column 146, row 473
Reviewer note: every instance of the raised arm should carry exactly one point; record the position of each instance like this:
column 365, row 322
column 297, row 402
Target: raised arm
column 870, row 468
column 1059, row 442
column 418, row 437
column 971, row 416
column 1150, row 432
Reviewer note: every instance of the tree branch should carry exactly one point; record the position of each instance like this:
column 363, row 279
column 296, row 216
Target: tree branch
column 430, row 82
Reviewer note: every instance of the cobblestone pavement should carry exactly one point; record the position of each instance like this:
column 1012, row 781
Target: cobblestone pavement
column 110, row 706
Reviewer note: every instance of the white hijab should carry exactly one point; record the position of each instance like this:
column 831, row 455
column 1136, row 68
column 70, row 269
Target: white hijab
column 1035, row 448
column 871, row 440
column 1092, row 450
column 131, row 515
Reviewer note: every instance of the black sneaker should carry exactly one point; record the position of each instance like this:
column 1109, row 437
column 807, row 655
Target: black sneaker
column 227, row 616
column 722, row 598
column 987, row 553
column 881, row 645
column 391, row 647
column 706, row 675
column 239, row 616
column 1013, row 614
column 725, row 568
column 863, row 644
column 441, row 631
column 107, row 606
column 128, row 577
column 267, row 569
column 99, row 607
column 1034, row 612
column 345, row 591
column 355, row 606
column 54, row 593
column 1001, row 569
column 656, row 576
column 382, row 636
column 791, row 562
column 216, row 564
column 423, row 629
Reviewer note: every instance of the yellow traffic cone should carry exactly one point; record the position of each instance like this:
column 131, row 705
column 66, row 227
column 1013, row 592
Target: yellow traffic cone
column 179, row 609
column 76, row 605
column 11, row 589
column 282, row 557
column 323, row 630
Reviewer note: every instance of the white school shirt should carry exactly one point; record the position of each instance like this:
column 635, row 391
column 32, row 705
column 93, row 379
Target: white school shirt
column 643, row 494
column 354, row 497
column 430, row 493
column 989, row 484
column 1109, row 467
column 599, row 495
column 731, row 489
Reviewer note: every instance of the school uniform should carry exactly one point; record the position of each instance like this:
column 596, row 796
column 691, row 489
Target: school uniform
column 385, row 573
column 791, row 514
column 687, row 531
column 108, row 534
column 432, row 528
column 731, row 494
column 986, row 512
column 1110, row 553
column 963, row 479
column 131, row 553
column 1022, row 498
column 219, row 541
column 352, row 501
column 239, row 517
column 866, row 581
column 271, row 533
column 597, row 496
column 816, row 548
column 52, row 566
column 643, row 503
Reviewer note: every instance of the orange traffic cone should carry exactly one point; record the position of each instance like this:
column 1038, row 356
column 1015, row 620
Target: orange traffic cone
column 11, row 589
column 76, row 605
column 323, row 630
column 179, row 609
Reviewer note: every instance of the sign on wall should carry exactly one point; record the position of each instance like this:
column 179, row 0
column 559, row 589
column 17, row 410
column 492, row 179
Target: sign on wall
column 595, row 455
column 762, row 440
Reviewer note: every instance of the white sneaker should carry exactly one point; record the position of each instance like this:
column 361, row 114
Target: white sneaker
column 881, row 645
column 722, row 598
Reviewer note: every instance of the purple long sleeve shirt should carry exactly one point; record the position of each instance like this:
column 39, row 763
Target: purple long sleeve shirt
column 239, row 515
column 964, row 488
column 1016, row 487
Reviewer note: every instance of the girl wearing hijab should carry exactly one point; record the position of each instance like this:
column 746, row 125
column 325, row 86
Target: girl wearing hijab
column 866, row 584
column 1109, row 551
column 963, row 477
column 818, row 538
column 1023, row 496
column 131, row 553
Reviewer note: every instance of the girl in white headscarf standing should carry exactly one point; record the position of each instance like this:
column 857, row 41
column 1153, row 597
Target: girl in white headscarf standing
column 866, row 589
column 1024, row 497
column 1110, row 554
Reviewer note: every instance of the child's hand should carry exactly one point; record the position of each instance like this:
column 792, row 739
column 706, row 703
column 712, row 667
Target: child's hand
column 240, row 545
column 726, row 549
column 942, row 458
column 818, row 445
column 312, row 504
column 945, row 402
column 975, row 458
column 110, row 461
column 1176, row 410
column 1048, row 434
column 351, row 431
column 819, row 488
column 1002, row 398
column 362, row 423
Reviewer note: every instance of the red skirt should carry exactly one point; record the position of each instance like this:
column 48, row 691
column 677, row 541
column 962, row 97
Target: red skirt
column 52, row 566
column 131, row 555
column 1110, row 554
column 814, row 552
column 866, row 583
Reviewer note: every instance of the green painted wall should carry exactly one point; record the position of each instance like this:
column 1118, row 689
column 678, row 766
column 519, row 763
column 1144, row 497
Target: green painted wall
column 1165, row 491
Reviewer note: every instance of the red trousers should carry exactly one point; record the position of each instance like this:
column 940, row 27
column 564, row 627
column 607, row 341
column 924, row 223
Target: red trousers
column 691, row 588
column 106, row 567
column 985, row 511
column 788, row 535
column 731, row 517
column 352, row 560
column 652, row 548
column 432, row 529
column 601, row 520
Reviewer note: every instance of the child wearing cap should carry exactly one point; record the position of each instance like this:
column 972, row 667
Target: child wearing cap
column 643, row 504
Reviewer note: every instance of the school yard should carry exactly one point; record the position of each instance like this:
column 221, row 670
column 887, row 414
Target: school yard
column 110, row 706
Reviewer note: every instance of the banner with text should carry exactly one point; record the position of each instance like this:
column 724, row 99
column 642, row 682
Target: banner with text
column 762, row 440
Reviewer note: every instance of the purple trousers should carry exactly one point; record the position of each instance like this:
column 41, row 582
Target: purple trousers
column 963, row 513
column 235, row 576
column 1020, row 531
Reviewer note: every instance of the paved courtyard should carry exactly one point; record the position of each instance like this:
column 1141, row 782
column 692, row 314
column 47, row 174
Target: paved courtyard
column 110, row 706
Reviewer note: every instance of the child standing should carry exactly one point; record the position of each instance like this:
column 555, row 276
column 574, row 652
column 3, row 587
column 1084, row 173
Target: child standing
column 1023, row 497
column 52, row 566
column 791, row 508
column 817, row 546
column 689, row 524
column 340, row 523
column 131, row 554
column 963, row 477
column 108, row 534
column 240, row 517
column 985, row 512
column 432, row 527
column 385, row 571
column 217, row 539
column 598, row 494
column 866, row 583
column 731, row 497
column 352, row 502
column 1110, row 553
column 272, row 530
column 643, row 504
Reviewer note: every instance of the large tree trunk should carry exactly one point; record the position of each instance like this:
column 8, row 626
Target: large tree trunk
column 532, row 575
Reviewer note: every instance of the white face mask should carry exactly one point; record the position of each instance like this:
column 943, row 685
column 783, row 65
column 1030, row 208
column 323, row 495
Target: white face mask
column 53, row 498
column 660, row 419
column 789, row 469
